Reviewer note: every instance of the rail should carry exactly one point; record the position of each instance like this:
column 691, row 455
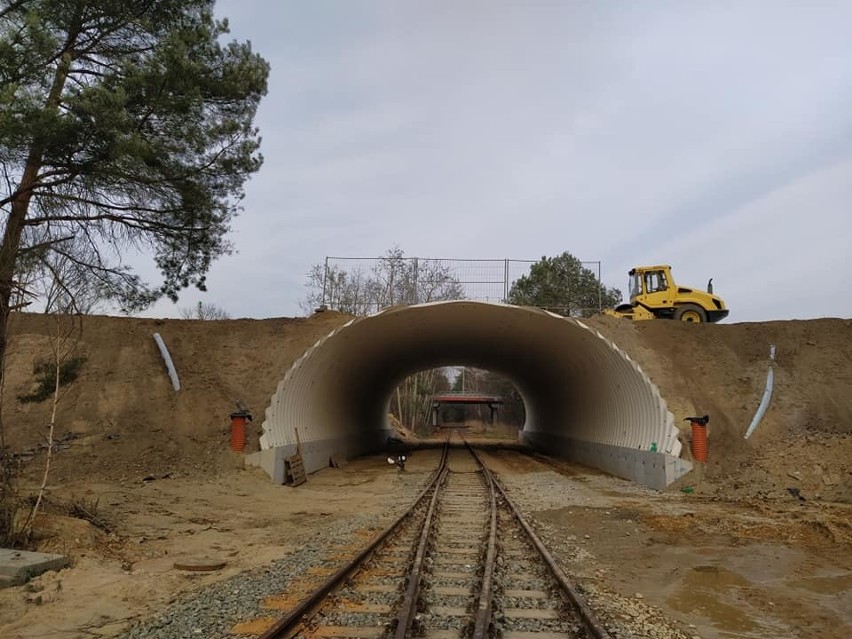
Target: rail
column 590, row 620
column 413, row 612
column 289, row 622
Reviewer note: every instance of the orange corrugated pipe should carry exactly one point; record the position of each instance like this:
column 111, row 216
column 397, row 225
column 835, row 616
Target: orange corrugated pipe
column 699, row 444
column 238, row 430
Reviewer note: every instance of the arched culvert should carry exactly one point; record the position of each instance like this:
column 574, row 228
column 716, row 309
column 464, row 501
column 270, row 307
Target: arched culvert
column 585, row 399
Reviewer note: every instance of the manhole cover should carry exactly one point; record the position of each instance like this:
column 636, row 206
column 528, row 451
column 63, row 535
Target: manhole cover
column 199, row 565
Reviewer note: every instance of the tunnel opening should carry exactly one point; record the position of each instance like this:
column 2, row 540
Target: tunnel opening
column 511, row 411
column 584, row 398
column 457, row 396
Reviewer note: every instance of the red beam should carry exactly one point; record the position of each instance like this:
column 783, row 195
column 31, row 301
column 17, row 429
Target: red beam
column 467, row 399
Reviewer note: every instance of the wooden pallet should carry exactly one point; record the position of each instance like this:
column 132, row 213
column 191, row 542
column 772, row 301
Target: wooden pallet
column 294, row 470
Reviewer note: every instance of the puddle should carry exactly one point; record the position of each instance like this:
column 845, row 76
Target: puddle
column 832, row 585
column 713, row 592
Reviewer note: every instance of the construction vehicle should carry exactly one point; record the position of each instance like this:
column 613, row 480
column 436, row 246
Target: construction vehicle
column 654, row 295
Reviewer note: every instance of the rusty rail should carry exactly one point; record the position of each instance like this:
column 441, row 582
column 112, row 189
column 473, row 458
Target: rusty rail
column 483, row 611
column 289, row 622
column 408, row 608
column 590, row 620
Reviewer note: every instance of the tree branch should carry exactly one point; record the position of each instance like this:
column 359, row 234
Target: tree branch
column 45, row 244
column 14, row 6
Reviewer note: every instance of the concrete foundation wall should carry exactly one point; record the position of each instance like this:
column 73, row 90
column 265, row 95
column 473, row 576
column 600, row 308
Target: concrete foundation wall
column 316, row 454
column 653, row 469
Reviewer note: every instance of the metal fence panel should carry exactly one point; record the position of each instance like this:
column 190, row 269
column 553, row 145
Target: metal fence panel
column 363, row 285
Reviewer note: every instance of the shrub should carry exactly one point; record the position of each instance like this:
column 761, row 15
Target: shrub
column 44, row 371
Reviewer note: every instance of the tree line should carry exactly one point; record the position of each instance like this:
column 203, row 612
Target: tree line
column 560, row 284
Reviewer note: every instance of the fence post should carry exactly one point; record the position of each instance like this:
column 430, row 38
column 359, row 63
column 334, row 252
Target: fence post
column 506, row 282
column 416, row 280
column 324, row 281
column 600, row 293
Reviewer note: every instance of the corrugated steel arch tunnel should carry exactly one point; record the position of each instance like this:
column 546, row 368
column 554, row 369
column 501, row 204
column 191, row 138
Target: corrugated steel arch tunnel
column 585, row 399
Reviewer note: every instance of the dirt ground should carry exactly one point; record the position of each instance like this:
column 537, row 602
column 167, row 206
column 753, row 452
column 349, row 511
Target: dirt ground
column 127, row 571
column 777, row 568
column 739, row 556
column 121, row 418
column 730, row 569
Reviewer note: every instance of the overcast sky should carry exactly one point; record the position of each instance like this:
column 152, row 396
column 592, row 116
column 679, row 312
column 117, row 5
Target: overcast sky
column 713, row 136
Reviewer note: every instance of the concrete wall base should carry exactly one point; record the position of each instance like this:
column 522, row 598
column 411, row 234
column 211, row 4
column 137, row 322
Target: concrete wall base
column 316, row 455
column 652, row 469
column 271, row 461
column 19, row 566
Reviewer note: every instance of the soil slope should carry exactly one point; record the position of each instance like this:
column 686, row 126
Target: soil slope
column 121, row 417
column 122, row 412
column 805, row 438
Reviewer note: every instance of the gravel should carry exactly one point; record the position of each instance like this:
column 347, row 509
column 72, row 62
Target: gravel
column 212, row 611
column 624, row 617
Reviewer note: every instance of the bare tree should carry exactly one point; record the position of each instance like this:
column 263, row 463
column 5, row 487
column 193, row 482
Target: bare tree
column 414, row 396
column 393, row 280
column 64, row 344
column 65, row 295
column 204, row 311
column 58, row 283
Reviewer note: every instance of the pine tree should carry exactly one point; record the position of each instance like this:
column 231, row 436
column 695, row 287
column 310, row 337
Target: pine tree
column 563, row 285
column 124, row 124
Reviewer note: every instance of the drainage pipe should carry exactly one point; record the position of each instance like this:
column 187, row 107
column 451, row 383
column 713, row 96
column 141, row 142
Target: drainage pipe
column 767, row 395
column 170, row 366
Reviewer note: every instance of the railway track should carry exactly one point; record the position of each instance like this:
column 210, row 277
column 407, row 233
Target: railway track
column 462, row 563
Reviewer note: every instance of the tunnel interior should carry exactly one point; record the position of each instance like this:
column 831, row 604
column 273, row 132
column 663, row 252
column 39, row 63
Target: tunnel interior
column 423, row 413
column 584, row 398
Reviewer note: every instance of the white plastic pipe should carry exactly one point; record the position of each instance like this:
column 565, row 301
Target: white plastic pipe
column 767, row 396
column 170, row 366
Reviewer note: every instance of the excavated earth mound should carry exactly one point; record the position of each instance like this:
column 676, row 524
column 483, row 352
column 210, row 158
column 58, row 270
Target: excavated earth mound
column 805, row 439
column 121, row 417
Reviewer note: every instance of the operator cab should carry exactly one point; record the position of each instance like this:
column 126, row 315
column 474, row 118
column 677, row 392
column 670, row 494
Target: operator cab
column 644, row 282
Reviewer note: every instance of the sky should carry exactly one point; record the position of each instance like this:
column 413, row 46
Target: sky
column 715, row 137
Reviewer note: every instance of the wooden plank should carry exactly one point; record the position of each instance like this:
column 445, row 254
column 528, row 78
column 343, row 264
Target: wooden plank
column 294, row 470
column 452, row 633
column 377, row 588
column 254, row 627
column 448, row 611
column 469, row 552
column 531, row 613
column 526, row 594
column 452, row 591
column 366, row 632
column 359, row 606
column 452, row 574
